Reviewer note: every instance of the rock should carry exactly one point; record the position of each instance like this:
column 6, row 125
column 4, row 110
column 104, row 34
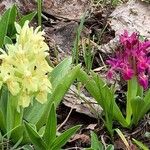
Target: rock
column 132, row 16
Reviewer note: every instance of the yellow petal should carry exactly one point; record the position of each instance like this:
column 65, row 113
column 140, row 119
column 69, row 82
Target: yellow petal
column 24, row 100
column 41, row 97
column 13, row 87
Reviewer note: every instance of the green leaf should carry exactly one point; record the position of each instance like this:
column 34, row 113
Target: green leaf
column 13, row 117
column 51, row 125
column 35, row 138
column 58, row 93
column 75, row 49
column 19, row 132
column 139, row 111
column 140, row 145
column 2, row 122
column 17, row 144
column 107, row 102
column 34, row 112
column 136, row 104
column 12, row 19
column 3, row 108
column 63, row 138
column 60, row 71
column 27, row 17
column 95, row 143
column 146, row 106
column 9, row 117
column 96, row 90
column 7, row 40
column 4, row 26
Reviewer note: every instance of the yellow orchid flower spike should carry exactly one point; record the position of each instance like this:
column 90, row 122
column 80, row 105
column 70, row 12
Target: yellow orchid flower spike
column 24, row 68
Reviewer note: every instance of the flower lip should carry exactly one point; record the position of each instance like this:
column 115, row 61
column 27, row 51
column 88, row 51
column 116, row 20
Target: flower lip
column 143, row 80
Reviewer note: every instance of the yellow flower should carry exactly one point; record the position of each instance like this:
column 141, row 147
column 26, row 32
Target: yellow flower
column 24, row 100
column 24, row 67
column 41, row 97
column 13, row 87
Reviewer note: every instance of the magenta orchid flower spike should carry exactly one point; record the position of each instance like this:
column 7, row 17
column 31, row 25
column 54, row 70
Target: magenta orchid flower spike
column 131, row 59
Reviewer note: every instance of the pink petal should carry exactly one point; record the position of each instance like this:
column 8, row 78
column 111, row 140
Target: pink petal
column 143, row 80
column 127, row 73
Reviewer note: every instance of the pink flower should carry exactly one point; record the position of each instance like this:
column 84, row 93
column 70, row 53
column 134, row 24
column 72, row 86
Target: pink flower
column 131, row 59
column 129, row 41
column 127, row 73
column 142, row 64
column 143, row 80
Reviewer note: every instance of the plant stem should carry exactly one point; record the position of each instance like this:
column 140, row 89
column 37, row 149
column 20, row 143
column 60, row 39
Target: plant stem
column 39, row 12
column 131, row 93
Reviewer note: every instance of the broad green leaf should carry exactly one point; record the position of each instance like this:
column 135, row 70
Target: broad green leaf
column 51, row 125
column 13, row 118
column 34, row 112
column 107, row 102
column 146, row 106
column 60, row 71
column 17, row 144
column 140, row 145
column 27, row 17
column 4, row 26
column 95, row 143
column 19, row 132
column 4, row 94
column 3, row 108
column 9, row 117
column 35, row 138
column 63, row 138
column 136, row 104
column 58, row 93
column 2, row 122
column 94, row 89
column 1, row 137
column 138, row 111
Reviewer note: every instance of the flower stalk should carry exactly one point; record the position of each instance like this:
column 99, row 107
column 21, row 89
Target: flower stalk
column 132, row 61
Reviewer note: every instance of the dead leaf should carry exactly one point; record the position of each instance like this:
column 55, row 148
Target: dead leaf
column 68, row 9
column 82, row 104
column 81, row 137
column 91, row 126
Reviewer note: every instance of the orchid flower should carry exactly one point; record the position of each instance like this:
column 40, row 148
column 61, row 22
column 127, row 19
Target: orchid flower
column 24, row 68
column 131, row 59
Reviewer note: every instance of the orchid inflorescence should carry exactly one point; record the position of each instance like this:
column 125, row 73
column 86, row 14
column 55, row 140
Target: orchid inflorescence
column 23, row 68
column 131, row 59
